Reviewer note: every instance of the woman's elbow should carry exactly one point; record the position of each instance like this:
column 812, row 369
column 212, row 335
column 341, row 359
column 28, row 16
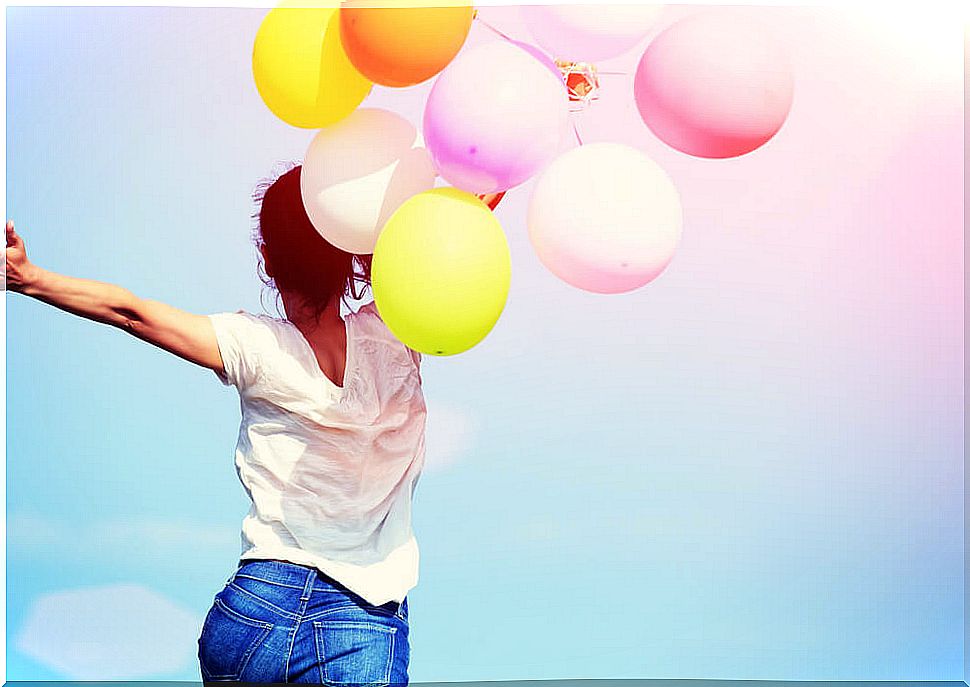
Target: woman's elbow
column 128, row 313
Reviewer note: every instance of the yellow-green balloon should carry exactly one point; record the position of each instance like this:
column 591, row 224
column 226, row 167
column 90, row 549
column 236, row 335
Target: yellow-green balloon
column 441, row 271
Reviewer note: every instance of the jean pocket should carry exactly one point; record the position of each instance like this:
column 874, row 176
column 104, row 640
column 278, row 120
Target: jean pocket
column 354, row 652
column 283, row 598
column 228, row 641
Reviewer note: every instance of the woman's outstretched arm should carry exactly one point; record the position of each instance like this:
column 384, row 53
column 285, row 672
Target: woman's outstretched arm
column 188, row 336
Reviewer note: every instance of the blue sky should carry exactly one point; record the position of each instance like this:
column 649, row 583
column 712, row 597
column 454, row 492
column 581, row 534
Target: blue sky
column 750, row 468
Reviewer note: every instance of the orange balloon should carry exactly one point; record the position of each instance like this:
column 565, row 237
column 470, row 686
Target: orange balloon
column 402, row 46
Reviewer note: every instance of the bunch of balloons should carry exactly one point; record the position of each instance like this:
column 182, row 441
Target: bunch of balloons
column 441, row 265
column 602, row 217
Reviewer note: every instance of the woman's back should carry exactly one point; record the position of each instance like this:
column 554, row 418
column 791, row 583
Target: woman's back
column 331, row 469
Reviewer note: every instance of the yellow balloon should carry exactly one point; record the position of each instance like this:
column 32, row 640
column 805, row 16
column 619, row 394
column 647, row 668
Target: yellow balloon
column 301, row 70
column 441, row 271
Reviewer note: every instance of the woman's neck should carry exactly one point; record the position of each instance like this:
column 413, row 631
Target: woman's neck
column 305, row 317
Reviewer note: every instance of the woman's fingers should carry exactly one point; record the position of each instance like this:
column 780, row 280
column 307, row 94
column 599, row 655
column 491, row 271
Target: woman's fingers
column 4, row 267
column 13, row 238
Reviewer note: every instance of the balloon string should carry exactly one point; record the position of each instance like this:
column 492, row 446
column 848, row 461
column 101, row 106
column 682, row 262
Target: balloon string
column 490, row 27
column 576, row 131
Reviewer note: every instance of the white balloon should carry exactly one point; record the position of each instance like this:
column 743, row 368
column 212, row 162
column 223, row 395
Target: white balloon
column 589, row 33
column 605, row 218
column 357, row 172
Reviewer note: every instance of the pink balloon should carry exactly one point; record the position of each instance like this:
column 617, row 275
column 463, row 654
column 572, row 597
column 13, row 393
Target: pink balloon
column 494, row 118
column 714, row 86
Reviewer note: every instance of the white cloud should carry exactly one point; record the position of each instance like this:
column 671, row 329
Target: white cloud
column 115, row 632
column 37, row 534
column 449, row 434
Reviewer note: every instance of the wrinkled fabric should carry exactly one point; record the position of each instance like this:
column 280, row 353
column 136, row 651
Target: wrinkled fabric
column 331, row 470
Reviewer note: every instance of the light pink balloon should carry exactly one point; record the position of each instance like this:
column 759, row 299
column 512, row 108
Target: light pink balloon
column 542, row 57
column 494, row 118
column 605, row 218
column 589, row 33
column 714, row 86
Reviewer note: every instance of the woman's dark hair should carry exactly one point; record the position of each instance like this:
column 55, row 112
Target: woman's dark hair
column 300, row 259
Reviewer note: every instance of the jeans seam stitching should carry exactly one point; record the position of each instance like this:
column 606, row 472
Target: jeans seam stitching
column 263, row 579
column 266, row 604
column 252, row 650
column 344, row 607
column 390, row 658
column 321, row 645
column 289, row 653
column 321, row 654
column 304, row 600
column 245, row 620
column 265, row 628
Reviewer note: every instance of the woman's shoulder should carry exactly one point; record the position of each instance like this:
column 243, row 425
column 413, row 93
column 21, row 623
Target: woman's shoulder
column 247, row 319
column 369, row 310
column 370, row 318
column 248, row 343
column 257, row 329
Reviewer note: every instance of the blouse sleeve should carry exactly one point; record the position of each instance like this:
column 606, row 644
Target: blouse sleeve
column 240, row 336
column 416, row 359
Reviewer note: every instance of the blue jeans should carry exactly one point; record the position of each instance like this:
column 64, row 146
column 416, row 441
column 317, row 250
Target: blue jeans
column 281, row 622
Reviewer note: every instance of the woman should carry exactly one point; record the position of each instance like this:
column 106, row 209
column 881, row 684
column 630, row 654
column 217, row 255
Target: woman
column 330, row 448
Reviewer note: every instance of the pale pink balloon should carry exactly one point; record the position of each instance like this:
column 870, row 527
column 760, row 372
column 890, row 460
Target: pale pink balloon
column 714, row 85
column 605, row 218
column 542, row 57
column 589, row 33
column 494, row 118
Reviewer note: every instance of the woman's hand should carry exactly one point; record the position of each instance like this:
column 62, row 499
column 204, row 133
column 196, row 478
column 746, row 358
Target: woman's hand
column 17, row 269
column 188, row 336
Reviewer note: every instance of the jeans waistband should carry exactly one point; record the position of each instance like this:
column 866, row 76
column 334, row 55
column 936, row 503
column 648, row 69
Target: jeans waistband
column 285, row 572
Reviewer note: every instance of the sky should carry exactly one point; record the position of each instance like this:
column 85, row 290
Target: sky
column 750, row 468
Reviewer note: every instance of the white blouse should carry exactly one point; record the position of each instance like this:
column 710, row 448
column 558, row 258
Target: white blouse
column 331, row 470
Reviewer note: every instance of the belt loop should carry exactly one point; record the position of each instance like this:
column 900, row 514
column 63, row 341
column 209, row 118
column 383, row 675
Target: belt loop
column 308, row 586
